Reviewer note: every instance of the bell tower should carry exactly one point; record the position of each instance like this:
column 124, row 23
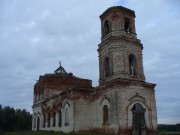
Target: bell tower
column 120, row 52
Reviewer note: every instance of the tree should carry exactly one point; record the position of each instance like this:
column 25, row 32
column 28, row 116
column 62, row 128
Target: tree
column 14, row 120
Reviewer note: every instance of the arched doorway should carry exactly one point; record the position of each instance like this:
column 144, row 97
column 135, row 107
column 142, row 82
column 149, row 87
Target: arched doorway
column 38, row 123
column 138, row 125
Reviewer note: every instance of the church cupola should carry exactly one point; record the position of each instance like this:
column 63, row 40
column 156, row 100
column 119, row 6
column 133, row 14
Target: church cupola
column 120, row 52
column 117, row 21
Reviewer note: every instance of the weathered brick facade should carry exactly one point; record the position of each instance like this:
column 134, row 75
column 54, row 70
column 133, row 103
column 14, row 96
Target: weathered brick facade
column 123, row 103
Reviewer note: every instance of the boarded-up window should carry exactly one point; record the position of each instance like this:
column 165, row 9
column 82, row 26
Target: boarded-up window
column 105, row 114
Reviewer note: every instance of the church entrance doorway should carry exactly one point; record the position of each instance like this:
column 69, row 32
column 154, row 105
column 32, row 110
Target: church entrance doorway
column 38, row 122
column 138, row 127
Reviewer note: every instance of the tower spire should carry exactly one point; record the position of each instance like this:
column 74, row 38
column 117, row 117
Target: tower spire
column 60, row 70
column 60, row 63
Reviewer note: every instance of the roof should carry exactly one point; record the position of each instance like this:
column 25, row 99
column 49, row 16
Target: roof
column 119, row 8
column 61, row 80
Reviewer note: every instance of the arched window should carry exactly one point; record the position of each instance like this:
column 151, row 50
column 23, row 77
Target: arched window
column 38, row 123
column 54, row 119
column 132, row 64
column 49, row 119
column 105, row 114
column 138, row 125
column 44, row 120
column 127, row 25
column 106, row 67
column 106, row 27
column 34, row 121
column 60, row 119
column 66, row 117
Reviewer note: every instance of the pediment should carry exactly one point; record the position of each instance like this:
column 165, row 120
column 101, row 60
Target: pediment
column 104, row 99
column 137, row 97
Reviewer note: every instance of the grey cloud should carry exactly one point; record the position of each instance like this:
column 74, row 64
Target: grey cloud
column 35, row 35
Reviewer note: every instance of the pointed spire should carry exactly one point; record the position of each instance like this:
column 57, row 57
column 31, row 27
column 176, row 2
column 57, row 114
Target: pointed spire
column 59, row 63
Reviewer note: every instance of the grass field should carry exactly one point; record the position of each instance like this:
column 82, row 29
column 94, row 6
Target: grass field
column 44, row 133
column 59, row 133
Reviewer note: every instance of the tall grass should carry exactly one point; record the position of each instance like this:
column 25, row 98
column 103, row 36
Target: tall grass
column 60, row 133
column 44, row 133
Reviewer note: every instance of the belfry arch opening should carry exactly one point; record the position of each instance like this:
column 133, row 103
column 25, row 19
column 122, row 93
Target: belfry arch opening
column 106, row 67
column 105, row 114
column 127, row 25
column 132, row 64
column 106, row 27
column 138, row 120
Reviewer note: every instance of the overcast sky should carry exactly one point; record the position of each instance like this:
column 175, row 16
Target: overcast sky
column 36, row 34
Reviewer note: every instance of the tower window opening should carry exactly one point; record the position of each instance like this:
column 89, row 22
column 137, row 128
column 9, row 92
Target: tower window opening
column 107, row 67
column 105, row 114
column 127, row 25
column 132, row 64
column 106, row 27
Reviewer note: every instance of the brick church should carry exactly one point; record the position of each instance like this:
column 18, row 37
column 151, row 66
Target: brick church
column 123, row 103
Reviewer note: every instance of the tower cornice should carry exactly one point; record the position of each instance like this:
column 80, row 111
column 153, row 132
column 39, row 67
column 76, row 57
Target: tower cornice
column 116, row 9
column 136, row 42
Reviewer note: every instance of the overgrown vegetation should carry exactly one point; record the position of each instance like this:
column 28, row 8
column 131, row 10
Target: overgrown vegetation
column 14, row 119
column 59, row 133
column 44, row 133
column 169, row 128
column 20, row 120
